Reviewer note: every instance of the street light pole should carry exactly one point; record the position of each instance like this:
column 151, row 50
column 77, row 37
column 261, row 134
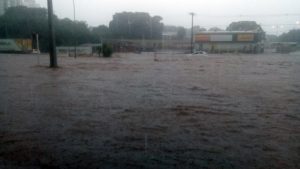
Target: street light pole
column 192, row 32
column 52, row 45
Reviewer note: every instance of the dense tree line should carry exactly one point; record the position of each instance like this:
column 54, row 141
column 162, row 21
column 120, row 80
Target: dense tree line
column 21, row 22
column 247, row 26
column 136, row 25
column 215, row 29
column 244, row 26
column 291, row 36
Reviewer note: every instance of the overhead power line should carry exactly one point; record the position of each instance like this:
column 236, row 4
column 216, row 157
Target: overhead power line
column 249, row 15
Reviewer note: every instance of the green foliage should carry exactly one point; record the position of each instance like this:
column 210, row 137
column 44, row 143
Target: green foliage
column 291, row 36
column 244, row 26
column 198, row 29
column 69, row 32
column 215, row 29
column 100, row 32
column 21, row 22
column 181, row 32
column 136, row 25
column 107, row 50
column 247, row 26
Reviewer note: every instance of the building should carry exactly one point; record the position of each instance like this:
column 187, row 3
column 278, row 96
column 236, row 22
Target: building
column 226, row 41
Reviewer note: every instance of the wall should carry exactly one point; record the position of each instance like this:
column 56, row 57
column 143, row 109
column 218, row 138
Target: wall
column 229, row 47
column 16, row 45
column 69, row 51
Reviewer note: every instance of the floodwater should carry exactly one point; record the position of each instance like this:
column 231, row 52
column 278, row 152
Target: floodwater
column 132, row 111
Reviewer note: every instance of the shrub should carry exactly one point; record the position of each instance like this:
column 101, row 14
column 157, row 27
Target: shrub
column 107, row 50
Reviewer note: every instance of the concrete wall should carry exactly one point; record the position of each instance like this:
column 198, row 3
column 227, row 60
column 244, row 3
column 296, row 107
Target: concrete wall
column 229, row 47
column 15, row 45
column 69, row 51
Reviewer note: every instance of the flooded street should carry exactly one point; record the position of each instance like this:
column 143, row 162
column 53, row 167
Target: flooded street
column 226, row 111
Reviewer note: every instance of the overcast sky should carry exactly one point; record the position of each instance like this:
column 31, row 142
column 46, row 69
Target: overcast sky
column 269, row 13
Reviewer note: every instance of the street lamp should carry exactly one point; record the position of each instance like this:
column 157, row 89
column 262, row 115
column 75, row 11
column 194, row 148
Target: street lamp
column 52, row 45
column 192, row 31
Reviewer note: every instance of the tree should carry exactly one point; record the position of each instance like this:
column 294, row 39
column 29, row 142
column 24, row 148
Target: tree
column 101, row 32
column 244, row 26
column 215, row 29
column 21, row 22
column 291, row 36
column 136, row 25
column 198, row 29
column 247, row 26
column 157, row 27
column 181, row 32
column 69, row 32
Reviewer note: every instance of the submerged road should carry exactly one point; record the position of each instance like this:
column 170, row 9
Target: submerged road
column 216, row 111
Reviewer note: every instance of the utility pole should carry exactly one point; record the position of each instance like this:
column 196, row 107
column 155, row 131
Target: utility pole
column 192, row 32
column 75, row 43
column 52, row 45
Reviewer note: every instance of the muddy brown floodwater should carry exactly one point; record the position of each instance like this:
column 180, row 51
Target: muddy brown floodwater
column 129, row 112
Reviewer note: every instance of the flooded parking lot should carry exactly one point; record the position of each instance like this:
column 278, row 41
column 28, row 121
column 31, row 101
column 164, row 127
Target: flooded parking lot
column 131, row 111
